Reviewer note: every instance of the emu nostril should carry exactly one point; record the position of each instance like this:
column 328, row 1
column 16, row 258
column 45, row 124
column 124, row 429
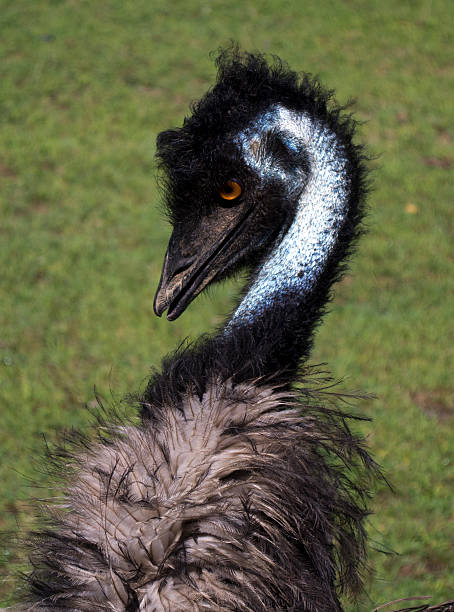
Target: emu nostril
column 181, row 265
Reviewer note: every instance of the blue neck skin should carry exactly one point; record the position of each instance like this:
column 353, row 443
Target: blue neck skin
column 301, row 253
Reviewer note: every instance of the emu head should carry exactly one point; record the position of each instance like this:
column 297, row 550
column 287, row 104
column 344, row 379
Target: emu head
column 236, row 170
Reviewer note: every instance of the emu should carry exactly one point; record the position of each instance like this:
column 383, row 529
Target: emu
column 243, row 487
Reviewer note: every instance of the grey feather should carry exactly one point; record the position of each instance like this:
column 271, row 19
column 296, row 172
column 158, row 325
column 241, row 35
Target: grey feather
column 233, row 501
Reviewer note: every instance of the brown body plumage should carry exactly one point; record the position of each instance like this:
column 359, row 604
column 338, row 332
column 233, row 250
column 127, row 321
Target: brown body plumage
column 212, row 508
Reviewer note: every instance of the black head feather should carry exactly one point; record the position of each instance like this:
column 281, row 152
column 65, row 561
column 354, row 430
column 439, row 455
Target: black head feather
column 199, row 156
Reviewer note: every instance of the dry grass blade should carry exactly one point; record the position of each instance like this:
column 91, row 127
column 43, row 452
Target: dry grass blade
column 447, row 606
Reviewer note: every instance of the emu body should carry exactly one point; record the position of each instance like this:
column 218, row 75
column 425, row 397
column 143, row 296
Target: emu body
column 239, row 490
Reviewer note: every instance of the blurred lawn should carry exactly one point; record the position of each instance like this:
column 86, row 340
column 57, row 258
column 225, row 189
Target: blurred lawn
column 84, row 89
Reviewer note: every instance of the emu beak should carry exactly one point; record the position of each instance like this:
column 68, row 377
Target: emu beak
column 194, row 258
column 175, row 276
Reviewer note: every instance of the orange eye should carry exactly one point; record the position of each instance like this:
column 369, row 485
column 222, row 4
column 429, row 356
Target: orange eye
column 230, row 190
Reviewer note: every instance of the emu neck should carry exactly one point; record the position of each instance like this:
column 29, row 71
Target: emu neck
column 287, row 293
column 271, row 330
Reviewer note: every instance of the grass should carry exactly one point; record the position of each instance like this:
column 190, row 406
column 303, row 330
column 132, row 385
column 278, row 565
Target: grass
column 85, row 87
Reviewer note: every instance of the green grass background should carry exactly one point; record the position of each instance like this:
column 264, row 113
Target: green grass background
column 84, row 89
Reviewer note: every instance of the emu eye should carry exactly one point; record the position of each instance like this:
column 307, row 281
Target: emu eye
column 231, row 190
